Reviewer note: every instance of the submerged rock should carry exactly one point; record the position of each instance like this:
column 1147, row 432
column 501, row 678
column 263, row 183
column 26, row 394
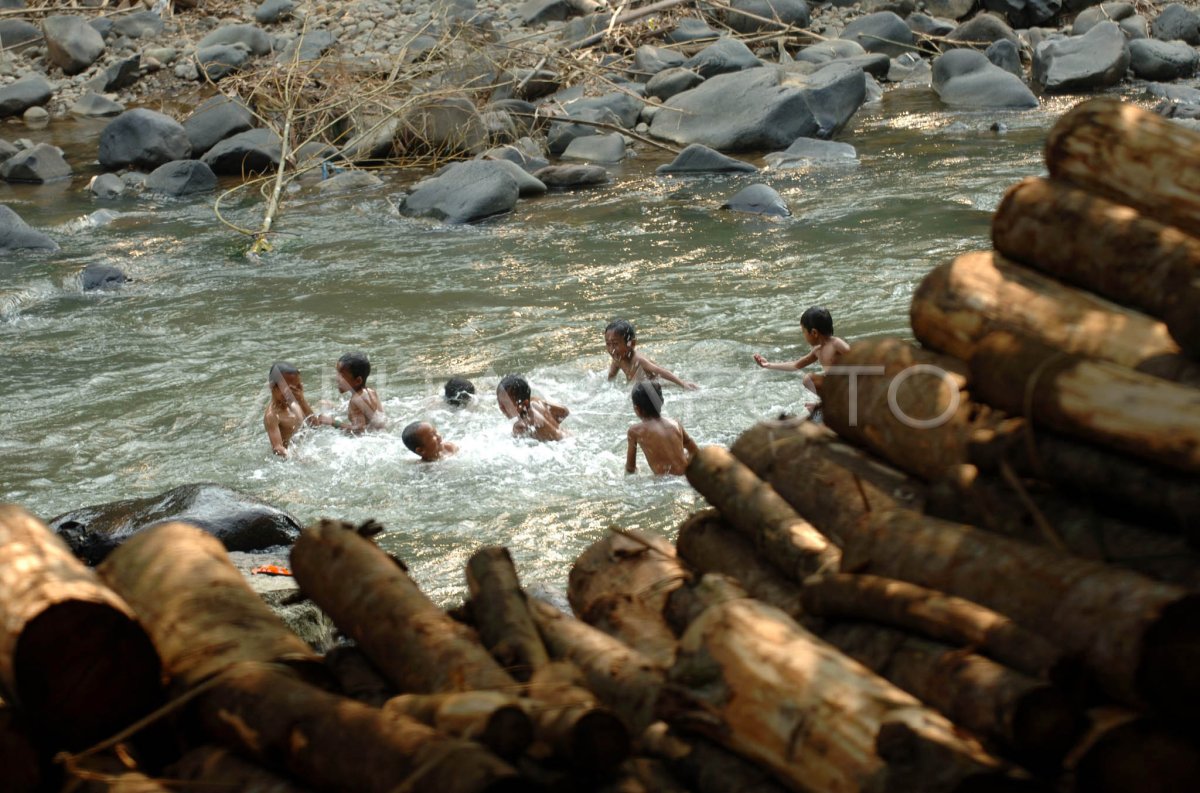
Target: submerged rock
column 181, row 177
column 464, row 192
column 966, row 78
column 144, row 139
column 215, row 119
column 93, row 105
column 106, row 186
column 566, row 177
column 16, row 234
column 102, row 276
column 807, row 152
column 698, row 158
column 758, row 199
column 42, row 163
column 349, row 182
column 29, row 91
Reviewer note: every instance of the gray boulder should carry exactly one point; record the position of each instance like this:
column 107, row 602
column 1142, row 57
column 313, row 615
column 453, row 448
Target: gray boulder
column 585, row 27
column 1025, row 13
column 930, row 25
column 596, row 148
column 1152, row 59
column 810, row 152
column 722, row 57
column 138, row 25
column 823, row 52
column 1179, row 94
column 215, row 119
column 103, row 26
column 93, row 105
column 910, row 70
column 883, row 32
column 71, row 43
column 539, row 12
column 524, row 153
column 1090, row 17
column 16, row 234
column 1007, row 56
column 758, row 199
column 568, row 177
column 562, row 133
column 144, row 139
column 8, row 150
column 240, row 521
column 349, row 182
column 625, row 107
column 1097, row 59
column 690, row 29
column 983, row 28
column 649, row 61
column 252, row 151
column 252, row 37
column 32, row 90
column 1176, row 23
column 106, row 186
column 272, row 11
column 221, row 60
column 102, row 276
column 116, row 76
column 527, row 183
column 670, row 82
column 17, row 34
column 948, row 9
column 308, row 47
column 789, row 12
column 698, row 158
column 1135, row 27
column 181, row 177
column 42, row 163
column 966, row 78
column 463, row 193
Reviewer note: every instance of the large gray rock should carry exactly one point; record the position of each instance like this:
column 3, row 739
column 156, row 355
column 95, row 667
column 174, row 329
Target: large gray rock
column 240, row 521
column 527, row 183
column 948, row 9
column 596, row 148
column 71, row 43
column 649, row 61
column 93, row 105
column 966, row 78
column 144, row 139
column 759, row 110
column 116, row 76
column 883, row 32
column 32, row 90
column 218, row 61
column 181, row 177
column 625, row 107
column 690, row 29
column 1152, row 59
column 1090, row 17
column 824, row 52
column 1177, row 23
column 789, row 12
column 698, row 158
column 102, row 276
column 138, row 25
column 1007, row 56
column 16, row 234
column 17, row 34
column 1135, row 27
column 561, row 133
column 308, row 47
column 106, row 186
column 758, row 199
column 930, row 26
column 1025, row 13
column 272, row 11
column 215, row 119
column 722, row 57
column 570, row 177
column 464, row 192
column 983, row 28
column 670, row 82
column 1097, row 59
column 252, row 37
column 42, row 163
column 252, row 151
column 810, row 152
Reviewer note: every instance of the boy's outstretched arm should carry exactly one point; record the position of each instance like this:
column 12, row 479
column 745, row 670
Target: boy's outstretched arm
column 271, row 422
column 613, row 368
column 654, row 370
column 785, row 367
column 631, row 453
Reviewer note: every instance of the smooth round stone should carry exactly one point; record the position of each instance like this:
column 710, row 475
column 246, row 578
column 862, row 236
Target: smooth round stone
column 36, row 117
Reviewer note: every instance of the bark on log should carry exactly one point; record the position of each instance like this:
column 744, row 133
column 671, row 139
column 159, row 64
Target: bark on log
column 828, row 482
column 494, row 719
column 500, row 613
column 337, row 744
column 1140, row 638
column 201, row 614
column 753, row 507
column 567, row 718
column 416, row 646
column 1094, row 400
column 214, row 768
column 1106, row 247
column 109, row 775
column 1125, row 752
column 73, row 658
column 19, row 758
column 959, row 303
column 357, row 677
column 1131, row 156
column 635, row 623
column 704, row 766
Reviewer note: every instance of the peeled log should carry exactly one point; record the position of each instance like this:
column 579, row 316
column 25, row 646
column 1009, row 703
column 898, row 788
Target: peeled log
column 1106, row 247
column 584, row 735
column 214, row 768
column 959, row 303
column 1140, row 638
column 416, row 646
column 496, row 720
column 1097, row 401
column 73, row 657
column 783, row 537
column 500, row 613
column 705, row 766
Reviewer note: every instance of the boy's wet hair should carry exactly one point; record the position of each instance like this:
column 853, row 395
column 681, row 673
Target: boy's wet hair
column 459, row 391
column 624, row 327
column 409, row 436
column 279, row 370
column 357, row 364
column 516, row 387
column 819, row 319
column 648, row 398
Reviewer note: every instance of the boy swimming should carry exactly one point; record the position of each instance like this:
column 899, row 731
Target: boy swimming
column 423, row 439
column 287, row 409
column 365, row 411
column 665, row 443
column 827, row 349
column 536, row 417
column 620, row 339
column 459, row 391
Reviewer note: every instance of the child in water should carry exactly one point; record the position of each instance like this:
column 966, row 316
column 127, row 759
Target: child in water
column 621, row 341
column 459, row 391
column 536, row 417
column 665, row 443
column 365, row 411
column 288, row 409
column 827, row 349
column 423, row 439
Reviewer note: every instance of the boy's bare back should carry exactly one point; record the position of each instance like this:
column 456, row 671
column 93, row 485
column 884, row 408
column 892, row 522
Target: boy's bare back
column 541, row 421
column 365, row 411
column 667, row 446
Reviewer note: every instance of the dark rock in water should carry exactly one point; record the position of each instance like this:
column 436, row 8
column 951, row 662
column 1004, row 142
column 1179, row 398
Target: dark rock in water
column 1177, row 23
column 823, row 52
column 138, row 24
column 93, row 105
column 272, row 11
column 31, row 90
column 625, row 107
column 182, row 177
column 722, row 57
column 42, row 163
column 122, row 74
column 464, row 192
column 308, row 47
column 649, row 61
column 1090, row 17
column 240, row 521
column 596, row 148
column 563, row 177
column 539, row 12
column 102, row 276
column 221, row 60
column 808, row 152
column 789, row 12
column 561, row 133
column 929, row 25
column 983, row 28
column 1097, row 59
column 876, row 64
column 883, row 32
column 16, row 234
column 1152, row 59
column 17, row 34
column 1181, row 94
column 758, row 199
column 107, row 186
column 349, row 182
column 966, row 78
column 215, row 119
column 698, row 158
column 690, row 29
column 524, row 154
column 252, row 37
column 1025, row 13
column 144, row 139
column 527, row 183
column 7, row 150
column 71, row 43
column 253, row 151
column 1007, row 56
column 670, row 82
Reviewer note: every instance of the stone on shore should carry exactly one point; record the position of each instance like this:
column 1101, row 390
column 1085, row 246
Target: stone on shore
column 883, row 31
column 983, row 28
column 649, row 61
column 215, row 119
column 31, row 90
column 307, row 47
column 106, row 186
column 690, row 29
column 181, row 177
column 810, row 152
column 140, row 24
column 116, row 76
column 670, row 82
column 698, row 158
column 252, row 37
column 929, row 25
column 824, row 52
column 758, row 199
column 1007, row 56
column 17, row 34
column 722, row 57
column 17, row 235
column 43, row 163
column 1152, row 59
column 463, row 192
column 948, row 9
column 966, row 78
column 1097, row 59
column 596, row 148
column 93, row 105
column 1025, row 13
column 218, row 61
column 349, row 182
column 250, row 152
column 272, row 11
column 790, row 12
column 71, row 43
column 1177, row 23
column 539, row 12
column 625, row 107
column 1090, row 17
column 562, row 133
column 524, row 153
column 144, row 139
column 569, row 177
column 102, row 276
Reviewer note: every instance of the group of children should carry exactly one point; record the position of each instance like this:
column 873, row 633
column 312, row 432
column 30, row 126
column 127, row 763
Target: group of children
column 665, row 444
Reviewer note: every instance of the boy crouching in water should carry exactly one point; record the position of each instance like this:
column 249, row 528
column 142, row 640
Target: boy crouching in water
column 423, row 439
column 666, row 444
column 288, row 409
column 365, row 411
column 536, row 418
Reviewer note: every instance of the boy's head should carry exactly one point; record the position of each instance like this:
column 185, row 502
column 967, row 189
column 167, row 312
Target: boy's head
column 816, row 320
column 647, row 399
column 459, row 391
column 353, row 368
column 513, row 395
column 284, row 379
column 620, row 338
column 421, row 438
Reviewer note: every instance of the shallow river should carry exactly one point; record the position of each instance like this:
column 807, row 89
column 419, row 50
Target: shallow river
column 129, row 393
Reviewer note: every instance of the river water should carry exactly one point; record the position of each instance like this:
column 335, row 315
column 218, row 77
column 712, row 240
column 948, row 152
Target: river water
column 129, row 393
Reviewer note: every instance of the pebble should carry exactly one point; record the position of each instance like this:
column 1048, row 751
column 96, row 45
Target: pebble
column 36, row 117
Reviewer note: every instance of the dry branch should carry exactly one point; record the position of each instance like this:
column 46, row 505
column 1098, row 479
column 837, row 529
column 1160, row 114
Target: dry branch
column 500, row 613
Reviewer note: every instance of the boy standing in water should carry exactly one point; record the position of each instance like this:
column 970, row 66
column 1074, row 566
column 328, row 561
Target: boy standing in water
column 621, row 340
column 666, row 444
column 423, row 439
column 536, row 418
column 365, row 411
column 287, row 409
column 817, row 325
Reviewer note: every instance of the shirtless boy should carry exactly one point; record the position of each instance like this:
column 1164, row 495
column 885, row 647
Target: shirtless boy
column 287, row 409
column 423, row 439
column 827, row 349
column 621, row 341
column 365, row 411
column 536, row 417
column 667, row 446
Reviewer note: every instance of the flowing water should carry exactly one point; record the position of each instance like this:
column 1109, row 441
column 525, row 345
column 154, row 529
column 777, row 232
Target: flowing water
column 128, row 393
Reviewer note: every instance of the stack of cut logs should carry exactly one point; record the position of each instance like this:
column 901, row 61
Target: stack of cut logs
column 984, row 579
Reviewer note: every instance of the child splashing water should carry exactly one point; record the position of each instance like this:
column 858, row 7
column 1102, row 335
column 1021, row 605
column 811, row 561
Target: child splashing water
column 827, row 349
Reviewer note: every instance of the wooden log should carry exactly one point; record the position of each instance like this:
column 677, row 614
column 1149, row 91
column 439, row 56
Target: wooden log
column 1097, row 401
column 500, row 613
column 357, row 677
column 1139, row 637
column 960, row 302
column 635, row 623
column 73, row 658
column 641, row 775
column 828, row 482
column 19, row 757
column 753, row 507
column 583, row 735
column 1125, row 751
column 106, row 774
column 198, row 609
column 265, row 713
column 492, row 718
column 704, row 766
column 1106, row 247
column 215, row 768
column 416, row 646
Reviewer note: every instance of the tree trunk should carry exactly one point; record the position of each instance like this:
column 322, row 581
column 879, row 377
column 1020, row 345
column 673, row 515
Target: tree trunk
column 959, row 303
column 357, row 677
column 635, row 623
column 196, row 606
column 584, row 735
column 1105, row 247
column 416, row 646
column 1139, row 637
column 828, row 482
column 1094, row 400
column 1125, row 752
column 500, row 613
column 18, row 754
column 496, row 720
column 753, row 507
column 704, row 766
column 337, row 744
column 213, row 768
column 73, row 658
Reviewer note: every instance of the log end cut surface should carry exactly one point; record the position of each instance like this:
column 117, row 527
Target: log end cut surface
column 599, row 742
column 1169, row 673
